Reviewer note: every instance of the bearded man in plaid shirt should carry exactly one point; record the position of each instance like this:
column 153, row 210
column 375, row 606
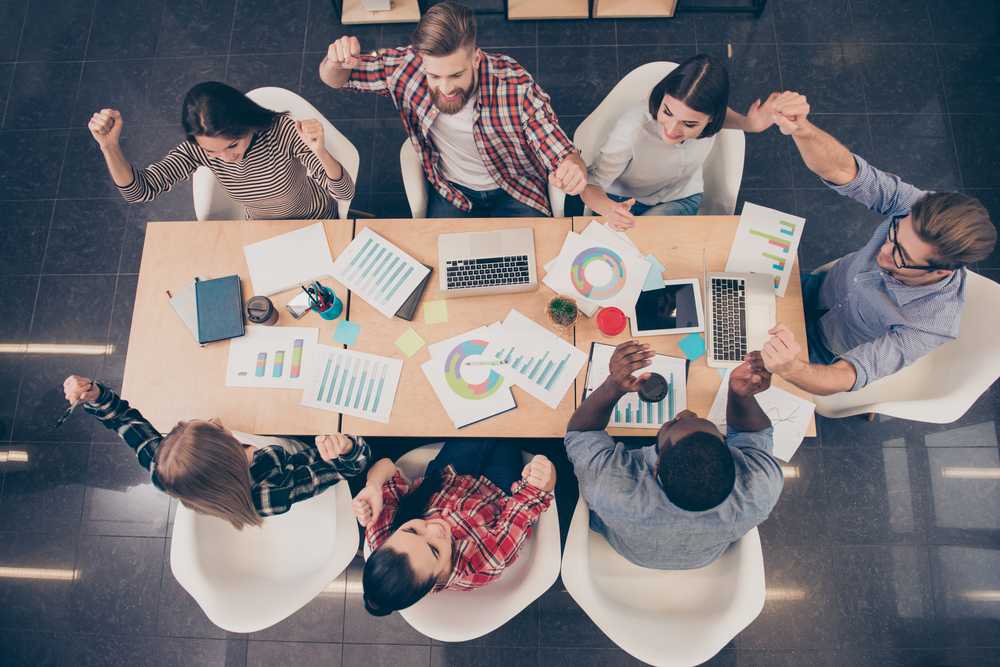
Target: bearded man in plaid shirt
column 484, row 131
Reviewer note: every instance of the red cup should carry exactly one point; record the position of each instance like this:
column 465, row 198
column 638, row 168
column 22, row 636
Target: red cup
column 611, row 321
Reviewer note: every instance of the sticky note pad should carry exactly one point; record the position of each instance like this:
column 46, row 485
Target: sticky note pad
column 654, row 279
column 436, row 312
column 409, row 343
column 346, row 332
column 692, row 345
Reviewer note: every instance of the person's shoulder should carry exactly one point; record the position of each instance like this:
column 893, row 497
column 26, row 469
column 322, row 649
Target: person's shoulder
column 505, row 69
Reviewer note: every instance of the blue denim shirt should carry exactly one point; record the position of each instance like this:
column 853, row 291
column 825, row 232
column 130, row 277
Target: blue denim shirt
column 629, row 508
column 875, row 322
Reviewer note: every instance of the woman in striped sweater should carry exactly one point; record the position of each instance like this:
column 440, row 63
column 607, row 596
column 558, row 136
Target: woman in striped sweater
column 276, row 167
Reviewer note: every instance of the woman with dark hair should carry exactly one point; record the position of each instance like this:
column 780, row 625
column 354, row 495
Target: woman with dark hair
column 651, row 163
column 457, row 529
column 276, row 167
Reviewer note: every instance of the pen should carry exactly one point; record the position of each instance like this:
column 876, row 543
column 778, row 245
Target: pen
column 69, row 411
column 309, row 294
column 484, row 363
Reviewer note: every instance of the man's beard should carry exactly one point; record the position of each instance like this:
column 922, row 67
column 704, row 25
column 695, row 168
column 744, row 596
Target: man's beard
column 455, row 104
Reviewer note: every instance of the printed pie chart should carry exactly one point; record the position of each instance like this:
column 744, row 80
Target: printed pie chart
column 598, row 273
column 467, row 378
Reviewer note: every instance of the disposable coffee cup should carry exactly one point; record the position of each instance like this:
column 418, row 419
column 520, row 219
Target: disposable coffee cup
column 653, row 389
column 260, row 310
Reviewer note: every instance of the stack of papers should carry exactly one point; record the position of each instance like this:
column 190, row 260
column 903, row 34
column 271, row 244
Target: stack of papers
column 600, row 267
column 631, row 411
column 534, row 358
column 289, row 260
column 789, row 415
column 379, row 272
column 468, row 383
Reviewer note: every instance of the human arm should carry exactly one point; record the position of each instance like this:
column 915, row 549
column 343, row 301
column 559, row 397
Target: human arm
column 342, row 56
column 116, row 415
column 367, row 505
column 743, row 413
column 782, row 354
column 758, row 118
column 824, row 156
column 106, row 128
column 529, row 498
column 346, row 67
column 279, row 479
column 615, row 156
column 552, row 147
column 308, row 147
column 595, row 412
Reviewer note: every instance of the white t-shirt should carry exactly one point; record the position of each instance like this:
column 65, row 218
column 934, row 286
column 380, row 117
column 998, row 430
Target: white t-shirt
column 636, row 162
column 460, row 159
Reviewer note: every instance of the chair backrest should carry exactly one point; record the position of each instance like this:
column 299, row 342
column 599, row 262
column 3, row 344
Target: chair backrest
column 210, row 199
column 663, row 617
column 723, row 169
column 453, row 616
column 246, row 580
column 415, row 185
column 941, row 386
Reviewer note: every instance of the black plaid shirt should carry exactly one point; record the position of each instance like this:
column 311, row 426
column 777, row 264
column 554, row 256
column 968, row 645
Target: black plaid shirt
column 278, row 478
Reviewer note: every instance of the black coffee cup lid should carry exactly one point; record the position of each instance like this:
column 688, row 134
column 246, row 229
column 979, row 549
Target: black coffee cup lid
column 259, row 309
column 653, row 389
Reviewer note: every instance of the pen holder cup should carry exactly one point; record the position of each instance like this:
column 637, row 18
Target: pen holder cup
column 335, row 308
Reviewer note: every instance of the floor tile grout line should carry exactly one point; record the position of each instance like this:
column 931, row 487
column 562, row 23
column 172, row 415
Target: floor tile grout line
column 232, row 31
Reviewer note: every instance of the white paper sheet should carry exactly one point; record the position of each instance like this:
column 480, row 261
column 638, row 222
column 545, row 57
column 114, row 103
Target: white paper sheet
column 289, row 260
column 789, row 415
column 535, row 359
column 352, row 383
column 271, row 357
column 631, row 411
column 468, row 384
column 378, row 271
column 767, row 241
column 600, row 267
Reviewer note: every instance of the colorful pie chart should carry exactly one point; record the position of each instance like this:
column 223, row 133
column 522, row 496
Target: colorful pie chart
column 598, row 273
column 473, row 391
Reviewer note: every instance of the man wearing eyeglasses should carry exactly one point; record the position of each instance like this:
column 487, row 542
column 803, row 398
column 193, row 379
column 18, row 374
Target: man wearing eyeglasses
column 886, row 305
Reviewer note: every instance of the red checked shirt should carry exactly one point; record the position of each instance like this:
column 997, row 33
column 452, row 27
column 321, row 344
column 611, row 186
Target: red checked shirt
column 515, row 129
column 488, row 527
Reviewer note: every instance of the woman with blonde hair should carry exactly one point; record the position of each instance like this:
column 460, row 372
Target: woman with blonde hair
column 234, row 476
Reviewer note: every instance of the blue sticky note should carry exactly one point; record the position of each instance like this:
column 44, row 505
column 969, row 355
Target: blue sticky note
column 654, row 279
column 692, row 345
column 346, row 332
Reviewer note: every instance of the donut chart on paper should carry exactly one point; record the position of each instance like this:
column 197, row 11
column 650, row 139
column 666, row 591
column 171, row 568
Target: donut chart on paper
column 463, row 387
column 602, row 262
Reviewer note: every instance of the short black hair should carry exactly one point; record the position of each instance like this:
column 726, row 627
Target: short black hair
column 702, row 83
column 213, row 109
column 697, row 472
column 390, row 584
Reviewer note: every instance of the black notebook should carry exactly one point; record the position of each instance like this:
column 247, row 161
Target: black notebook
column 219, row 304
column 409, row 307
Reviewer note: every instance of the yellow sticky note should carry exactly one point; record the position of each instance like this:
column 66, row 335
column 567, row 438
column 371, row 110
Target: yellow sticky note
column 409, row 342
column 436, row 312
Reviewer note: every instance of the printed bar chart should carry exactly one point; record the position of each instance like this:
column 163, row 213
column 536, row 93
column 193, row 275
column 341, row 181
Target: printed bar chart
column 378, row 272
column 633, row 411
column 272, row 357
column 353, row 383
column 767, row 242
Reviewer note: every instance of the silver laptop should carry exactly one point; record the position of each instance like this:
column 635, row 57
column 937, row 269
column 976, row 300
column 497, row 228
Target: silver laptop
column 495, row 262
column 740, row 308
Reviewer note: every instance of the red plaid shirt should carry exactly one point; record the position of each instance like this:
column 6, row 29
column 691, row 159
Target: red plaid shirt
column 515, row 128
column 488, row 527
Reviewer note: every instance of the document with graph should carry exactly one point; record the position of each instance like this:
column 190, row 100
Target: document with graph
column 767, row 241
column 535, row 359
column 271, row 357
column 378, row 272
column 789, row 414
column 352, row 383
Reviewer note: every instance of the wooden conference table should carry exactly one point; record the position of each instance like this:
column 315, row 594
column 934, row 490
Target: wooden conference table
column 168, row 377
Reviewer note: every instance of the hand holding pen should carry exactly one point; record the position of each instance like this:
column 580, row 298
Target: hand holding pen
column 77, row 390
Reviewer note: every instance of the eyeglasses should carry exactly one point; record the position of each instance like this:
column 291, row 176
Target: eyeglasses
column 899, row 255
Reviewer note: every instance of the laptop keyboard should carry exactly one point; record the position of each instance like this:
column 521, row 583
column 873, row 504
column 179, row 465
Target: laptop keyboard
column 729, row 327
column 487, row 272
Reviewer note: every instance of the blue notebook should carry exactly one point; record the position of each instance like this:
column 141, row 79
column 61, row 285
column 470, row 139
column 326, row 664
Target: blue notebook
column 219, row 303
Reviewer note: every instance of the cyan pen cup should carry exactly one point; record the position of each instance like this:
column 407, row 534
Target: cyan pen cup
column 335, row 308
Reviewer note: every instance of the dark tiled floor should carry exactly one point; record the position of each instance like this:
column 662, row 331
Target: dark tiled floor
column 885, row 546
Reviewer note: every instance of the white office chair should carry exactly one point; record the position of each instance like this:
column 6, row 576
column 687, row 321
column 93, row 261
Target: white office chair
column 458, row 616
column 416, row 185
column 675, row 618
column 211, row 202
column 723, row 169
column 247, row 580
column 940, row 387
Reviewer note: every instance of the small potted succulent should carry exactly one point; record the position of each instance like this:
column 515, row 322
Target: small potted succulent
column 563, row 311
